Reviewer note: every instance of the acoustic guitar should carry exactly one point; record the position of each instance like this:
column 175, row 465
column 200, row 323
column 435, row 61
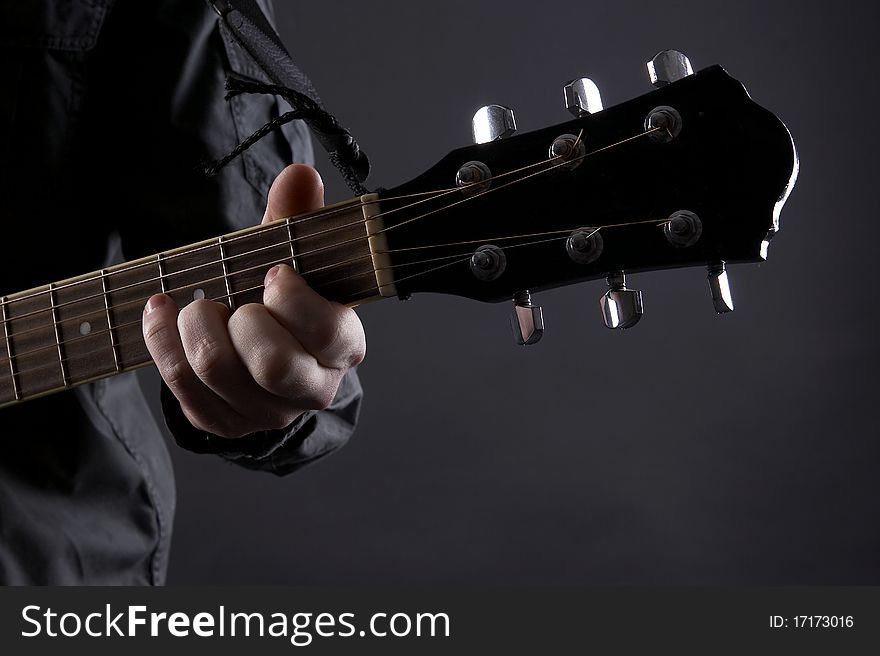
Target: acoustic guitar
column 693, row 173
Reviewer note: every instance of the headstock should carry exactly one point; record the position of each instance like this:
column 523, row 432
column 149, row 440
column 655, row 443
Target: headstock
column 692, row 174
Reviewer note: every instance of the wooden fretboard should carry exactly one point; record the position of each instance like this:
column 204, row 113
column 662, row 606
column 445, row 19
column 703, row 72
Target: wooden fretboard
column 89, row 327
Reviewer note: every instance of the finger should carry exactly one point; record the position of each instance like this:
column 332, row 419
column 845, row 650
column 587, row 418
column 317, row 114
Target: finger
column 213, row 358
column 297, row 189
column 278, row 362
column 329, row 331
column 204, row 409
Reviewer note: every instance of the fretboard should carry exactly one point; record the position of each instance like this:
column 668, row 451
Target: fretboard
column 85, row 328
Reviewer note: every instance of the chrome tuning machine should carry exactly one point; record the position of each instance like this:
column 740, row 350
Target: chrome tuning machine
column 526, row 320
column 621, row 307
column 493, row 122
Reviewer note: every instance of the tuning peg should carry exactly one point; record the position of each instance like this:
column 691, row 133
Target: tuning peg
column 582, row 97
column 669, row 66
column 493, row 122
column 526, row 320
column 621, row 307
column 719, row 285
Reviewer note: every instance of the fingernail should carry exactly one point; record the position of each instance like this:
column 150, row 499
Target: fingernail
column 155, row 302
column 270, row 275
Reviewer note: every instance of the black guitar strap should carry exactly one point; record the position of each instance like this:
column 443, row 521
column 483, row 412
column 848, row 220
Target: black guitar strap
column 246, row 23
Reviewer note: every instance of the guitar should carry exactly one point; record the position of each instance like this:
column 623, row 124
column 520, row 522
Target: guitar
column 693, row 173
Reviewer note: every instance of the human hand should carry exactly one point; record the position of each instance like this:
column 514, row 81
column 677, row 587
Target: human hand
column 262, row 366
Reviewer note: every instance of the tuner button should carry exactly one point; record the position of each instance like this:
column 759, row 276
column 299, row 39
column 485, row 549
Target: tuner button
column 526, row 320
column 621, row 307
column 668, row 66
column 493, row 122
column 719, row 285
column 582, row 97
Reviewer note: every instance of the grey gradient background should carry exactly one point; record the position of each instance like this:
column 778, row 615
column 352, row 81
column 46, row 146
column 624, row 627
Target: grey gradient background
column 691, row 450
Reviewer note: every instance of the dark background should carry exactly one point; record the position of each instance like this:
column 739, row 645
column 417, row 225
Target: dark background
column 693, row 449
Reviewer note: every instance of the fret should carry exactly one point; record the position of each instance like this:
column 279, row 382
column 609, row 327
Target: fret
column 196, row 274
column 110, row 330
column 161, row 272
column 292, row 244
column 125, row 292
column 230, row 298
column 56, row 324
column 9, row 355
column 250, row 257
column 333, row 254
column 86, row 328
column 78, row 316
column 33, row 341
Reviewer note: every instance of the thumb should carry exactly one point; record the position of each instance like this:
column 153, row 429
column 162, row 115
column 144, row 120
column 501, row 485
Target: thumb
column 297, row 189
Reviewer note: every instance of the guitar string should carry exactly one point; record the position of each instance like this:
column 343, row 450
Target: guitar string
column 282, row 223
column 278, row 224
column 152, row 261
column 281, row 260
column 494, row 188
column 216, row 243
column 80, row 356
column 287, row 242
column 459, row 257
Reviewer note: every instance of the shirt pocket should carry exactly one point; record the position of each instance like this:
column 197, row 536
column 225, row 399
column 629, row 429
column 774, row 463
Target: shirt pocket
column 44, row 45
column 73, row 25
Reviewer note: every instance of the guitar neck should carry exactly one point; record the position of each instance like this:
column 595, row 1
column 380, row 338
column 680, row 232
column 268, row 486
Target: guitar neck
column 82, row 329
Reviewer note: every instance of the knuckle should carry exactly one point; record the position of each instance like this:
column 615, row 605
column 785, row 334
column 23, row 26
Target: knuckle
column 358, row 353
column 208, row 359
column 352, row 331
column 176, row 374
column 272, row 371
column 190, row 313
column 247, row 312
column 328, row 336
column 157, row 333
column 319, row 397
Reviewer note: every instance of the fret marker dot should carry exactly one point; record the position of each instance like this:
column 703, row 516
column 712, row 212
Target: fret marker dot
column 85, row 328
column 198, row 294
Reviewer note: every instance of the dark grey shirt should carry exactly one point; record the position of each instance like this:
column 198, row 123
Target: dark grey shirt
column 106, row 111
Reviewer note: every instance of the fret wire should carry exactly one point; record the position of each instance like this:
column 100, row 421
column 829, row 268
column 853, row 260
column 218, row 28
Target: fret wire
column 192, row 285
column 369, row 273
column 432, row 195
column 61, row 359
column 357, row 203
column 54, row 304
column 283, row 242
column 277, row 224
column 133, row 323
column 110, row 328
column 282, row 260
column 200, row 266
column 281, row 223
column 226, row 275
column 9, row 354
column 292, row 248
column 348, row 207
column 161, row 272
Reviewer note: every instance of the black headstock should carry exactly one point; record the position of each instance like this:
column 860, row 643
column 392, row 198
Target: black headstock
column 700, row 183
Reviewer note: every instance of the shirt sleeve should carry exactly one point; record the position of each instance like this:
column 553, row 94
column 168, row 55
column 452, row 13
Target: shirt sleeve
column 177, row 59
column 312, row 436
